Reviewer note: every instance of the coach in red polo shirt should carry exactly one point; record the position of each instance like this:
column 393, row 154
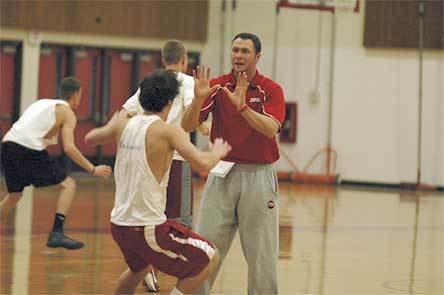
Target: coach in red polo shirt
column 248, row 110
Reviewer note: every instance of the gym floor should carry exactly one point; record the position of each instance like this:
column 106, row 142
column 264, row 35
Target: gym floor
column 333, row 240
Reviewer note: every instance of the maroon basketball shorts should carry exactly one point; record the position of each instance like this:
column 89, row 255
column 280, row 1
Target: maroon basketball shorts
column 170, row 247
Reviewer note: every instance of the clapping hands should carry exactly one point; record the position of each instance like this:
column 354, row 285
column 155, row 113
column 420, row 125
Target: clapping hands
column 237, row 97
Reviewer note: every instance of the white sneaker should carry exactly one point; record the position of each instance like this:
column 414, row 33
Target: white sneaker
column 150, row 282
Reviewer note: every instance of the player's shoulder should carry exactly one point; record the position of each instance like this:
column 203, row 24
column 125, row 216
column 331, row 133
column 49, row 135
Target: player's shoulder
column 64, row 113
column 182, row 77
column 63, row 108
column 162, row 129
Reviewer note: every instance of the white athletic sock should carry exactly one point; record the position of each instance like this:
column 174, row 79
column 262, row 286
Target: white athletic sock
column 176, row 291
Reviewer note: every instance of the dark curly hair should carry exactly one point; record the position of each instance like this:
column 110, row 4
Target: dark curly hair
column 158, row 89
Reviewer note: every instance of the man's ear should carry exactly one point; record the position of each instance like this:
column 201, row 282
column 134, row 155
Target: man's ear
column 184, row 61
column 258, row 56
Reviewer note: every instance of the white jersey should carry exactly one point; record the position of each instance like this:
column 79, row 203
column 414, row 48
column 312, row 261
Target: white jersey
column 181, row 101
column 140, row 200
column 34, row 124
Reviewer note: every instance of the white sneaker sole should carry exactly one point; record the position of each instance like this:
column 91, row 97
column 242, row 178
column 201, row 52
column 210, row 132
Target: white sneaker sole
column 150, row 282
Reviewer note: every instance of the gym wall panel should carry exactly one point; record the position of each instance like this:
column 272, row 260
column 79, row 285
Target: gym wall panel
column 185, row 20
column 120, row 79
column 10, row 82
column 52, row 68
column 87, row 68
column 395, row 24
column 7, row 74
column 7, row 70
column 120, row 83
column 149, row 61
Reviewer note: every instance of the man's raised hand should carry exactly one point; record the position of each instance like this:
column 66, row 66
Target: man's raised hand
column 202, row 87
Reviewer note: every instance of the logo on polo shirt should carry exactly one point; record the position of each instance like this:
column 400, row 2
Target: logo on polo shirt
column 255, row 99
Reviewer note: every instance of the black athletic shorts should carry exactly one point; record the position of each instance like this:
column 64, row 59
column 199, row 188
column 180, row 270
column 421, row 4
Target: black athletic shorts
column 24, row 166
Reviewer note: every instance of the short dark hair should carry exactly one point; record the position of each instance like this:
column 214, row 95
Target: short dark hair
column 173, row 51
column 252, row 37
column 157, row 89
column 68, row 87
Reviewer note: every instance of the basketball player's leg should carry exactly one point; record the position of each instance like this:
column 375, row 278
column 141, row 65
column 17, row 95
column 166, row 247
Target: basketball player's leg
column 47, row 172
column 259, row 229
column 129, row 280
column 179, row 252
column 7, row 204
column 192, row 284
column 56, row 237
column 217, row 219
column 16, row 170
column 179, row 207
column 131, row 242
column 67, row 192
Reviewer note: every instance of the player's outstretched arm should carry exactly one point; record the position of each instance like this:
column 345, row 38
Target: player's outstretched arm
column 69, row 147
column 199, row 160
column 105, row 134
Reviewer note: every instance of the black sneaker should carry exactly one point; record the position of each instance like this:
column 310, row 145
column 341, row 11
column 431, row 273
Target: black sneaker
column 56, row 239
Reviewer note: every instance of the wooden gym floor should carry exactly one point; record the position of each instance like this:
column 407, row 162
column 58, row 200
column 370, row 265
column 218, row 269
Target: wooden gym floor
column 332, row 241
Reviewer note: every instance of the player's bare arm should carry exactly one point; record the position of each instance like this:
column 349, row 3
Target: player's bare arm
column 199, row 160
column 105, row 134
column 67, row 131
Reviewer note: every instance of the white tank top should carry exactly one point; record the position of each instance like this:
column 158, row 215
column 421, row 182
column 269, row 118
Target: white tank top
column 34, row 124
column 140, row 200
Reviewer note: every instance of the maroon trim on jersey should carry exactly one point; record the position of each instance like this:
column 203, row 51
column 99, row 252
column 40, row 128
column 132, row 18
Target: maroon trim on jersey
column 271, row 116
column 265, row 112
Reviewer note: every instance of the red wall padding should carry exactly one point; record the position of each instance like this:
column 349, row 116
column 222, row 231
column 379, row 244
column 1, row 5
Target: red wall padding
column 83, row 72
column 120, row 85
column 148, row 66
column 7, row 72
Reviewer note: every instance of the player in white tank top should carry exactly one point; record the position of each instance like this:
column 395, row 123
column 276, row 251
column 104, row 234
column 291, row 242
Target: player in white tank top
column 37, row 120
column 179, row 190
column 26, row 161
column 145, row 149
column 136, row 187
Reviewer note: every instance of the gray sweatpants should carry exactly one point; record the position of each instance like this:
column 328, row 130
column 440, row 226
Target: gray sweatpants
column 246, row 199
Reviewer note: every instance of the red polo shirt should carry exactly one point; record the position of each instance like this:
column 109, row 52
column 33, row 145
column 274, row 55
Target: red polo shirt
column 248, row 146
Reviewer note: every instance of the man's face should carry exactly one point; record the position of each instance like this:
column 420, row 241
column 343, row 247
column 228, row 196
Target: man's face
column 243, row 56
column 77, row 97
